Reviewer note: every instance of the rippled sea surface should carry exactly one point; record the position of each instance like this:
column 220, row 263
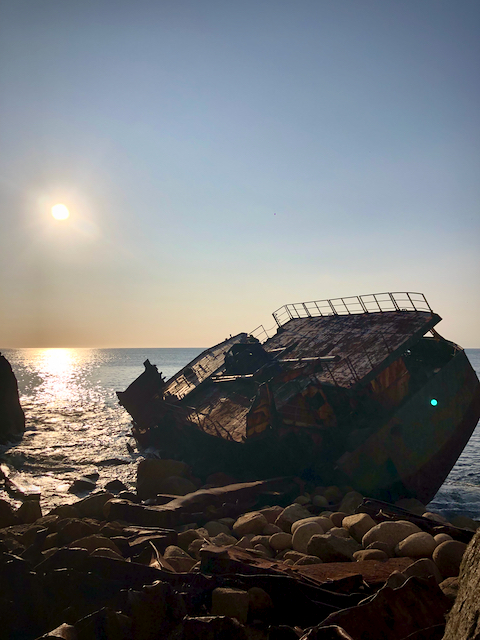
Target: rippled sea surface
column 75, row 425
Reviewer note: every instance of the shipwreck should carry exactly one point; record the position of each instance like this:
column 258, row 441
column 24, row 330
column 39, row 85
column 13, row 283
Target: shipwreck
column 358, row 392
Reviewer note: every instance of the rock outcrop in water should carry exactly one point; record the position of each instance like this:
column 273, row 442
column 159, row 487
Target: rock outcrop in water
column 12, row 418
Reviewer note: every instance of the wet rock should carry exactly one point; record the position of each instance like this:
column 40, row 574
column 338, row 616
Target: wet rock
column 442, row 537
column 370, row 554
column 152, row 472
column 115, row 486
column 213, row 628
column 390, row 533
column 417, row 545
column 448, row 557
column 28, row 512
column 332, row 548
column 233, row 603
column 280, row 541
column 252, row 522
column 423, row 568
column 357, row 525
column 350, row 502
column 337, row 518
column 291, row 514
column 303, row 534
column 450, row 587
column 82, row 484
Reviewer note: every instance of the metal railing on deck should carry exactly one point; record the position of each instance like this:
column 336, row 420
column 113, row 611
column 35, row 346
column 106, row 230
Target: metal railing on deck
column 369, row 303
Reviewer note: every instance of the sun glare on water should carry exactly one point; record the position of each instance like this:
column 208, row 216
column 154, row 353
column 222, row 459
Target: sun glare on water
column 60, row 212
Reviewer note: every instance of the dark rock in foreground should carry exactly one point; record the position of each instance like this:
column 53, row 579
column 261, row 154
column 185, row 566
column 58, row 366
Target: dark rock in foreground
column 12, row 418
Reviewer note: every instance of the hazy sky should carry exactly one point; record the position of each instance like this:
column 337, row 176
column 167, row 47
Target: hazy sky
column 220, row 159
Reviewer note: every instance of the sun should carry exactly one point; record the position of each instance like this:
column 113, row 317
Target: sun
column 60, row 212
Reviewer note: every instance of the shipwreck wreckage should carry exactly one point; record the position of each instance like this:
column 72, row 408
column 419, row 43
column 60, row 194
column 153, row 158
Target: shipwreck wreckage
column 358, row 391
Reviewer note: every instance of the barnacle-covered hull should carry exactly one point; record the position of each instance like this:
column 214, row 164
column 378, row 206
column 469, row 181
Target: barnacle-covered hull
column 349, row 392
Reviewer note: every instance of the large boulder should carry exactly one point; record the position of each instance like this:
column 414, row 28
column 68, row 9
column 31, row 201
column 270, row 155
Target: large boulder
column 12, row 418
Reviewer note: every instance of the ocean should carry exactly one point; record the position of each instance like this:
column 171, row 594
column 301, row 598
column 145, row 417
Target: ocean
column 75, row 425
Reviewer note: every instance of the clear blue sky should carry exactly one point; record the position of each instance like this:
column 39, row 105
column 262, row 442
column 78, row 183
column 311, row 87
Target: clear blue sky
column 220, row 159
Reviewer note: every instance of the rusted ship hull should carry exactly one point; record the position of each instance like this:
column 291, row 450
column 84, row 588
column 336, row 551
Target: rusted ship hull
column 348, row 392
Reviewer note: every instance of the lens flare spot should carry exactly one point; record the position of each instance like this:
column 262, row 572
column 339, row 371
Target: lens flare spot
column 60, row 212
column 433, row 402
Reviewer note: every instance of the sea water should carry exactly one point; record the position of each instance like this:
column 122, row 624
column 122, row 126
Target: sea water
column 75, row 426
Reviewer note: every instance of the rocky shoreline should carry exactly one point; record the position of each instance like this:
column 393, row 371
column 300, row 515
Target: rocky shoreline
column 266, row 560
